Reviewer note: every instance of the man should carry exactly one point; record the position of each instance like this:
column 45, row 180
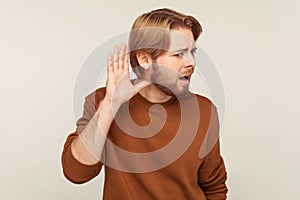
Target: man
column 155, row 139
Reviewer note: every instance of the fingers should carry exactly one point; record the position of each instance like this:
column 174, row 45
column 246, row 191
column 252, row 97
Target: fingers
column 110, row 63
column 118, row 60
column 116, row 57
column 122, row 56
column 126, row 55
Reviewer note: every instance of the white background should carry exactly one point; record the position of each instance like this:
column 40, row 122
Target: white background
column 254, row 44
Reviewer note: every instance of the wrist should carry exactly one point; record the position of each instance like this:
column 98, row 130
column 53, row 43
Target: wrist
column 109, row 106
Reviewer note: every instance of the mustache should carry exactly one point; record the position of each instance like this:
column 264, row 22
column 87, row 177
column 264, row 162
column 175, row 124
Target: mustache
column 188, row 71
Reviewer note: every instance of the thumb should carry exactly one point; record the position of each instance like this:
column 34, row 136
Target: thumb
column 137, row 87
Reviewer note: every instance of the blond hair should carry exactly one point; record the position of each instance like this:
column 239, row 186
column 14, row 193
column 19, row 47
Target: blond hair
column 150, row 33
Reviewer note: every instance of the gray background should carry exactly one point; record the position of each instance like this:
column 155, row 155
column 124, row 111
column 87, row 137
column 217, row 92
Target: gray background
column 254, row 45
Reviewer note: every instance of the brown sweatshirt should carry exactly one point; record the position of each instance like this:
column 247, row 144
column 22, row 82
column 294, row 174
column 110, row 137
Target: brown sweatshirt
column 175, row 160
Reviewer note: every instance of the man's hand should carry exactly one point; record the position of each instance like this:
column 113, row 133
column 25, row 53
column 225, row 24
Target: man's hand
column 119, row 88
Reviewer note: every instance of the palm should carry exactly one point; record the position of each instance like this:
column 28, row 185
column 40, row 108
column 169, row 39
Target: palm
column 119, row 88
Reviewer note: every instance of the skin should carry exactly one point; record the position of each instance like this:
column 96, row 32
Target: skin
column 167, row 71
column 163, row 75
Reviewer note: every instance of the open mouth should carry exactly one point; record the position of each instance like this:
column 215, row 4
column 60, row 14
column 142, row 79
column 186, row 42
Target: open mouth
column 184, row 78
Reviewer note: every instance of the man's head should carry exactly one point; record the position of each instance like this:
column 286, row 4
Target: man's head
column 155, row 39
column 150, row 32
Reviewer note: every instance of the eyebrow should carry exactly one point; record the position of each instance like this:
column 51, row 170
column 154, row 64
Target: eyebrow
column 184, row 50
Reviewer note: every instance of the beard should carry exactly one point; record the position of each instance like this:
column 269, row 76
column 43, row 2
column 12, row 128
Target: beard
column 164, row 89
column 167, row 80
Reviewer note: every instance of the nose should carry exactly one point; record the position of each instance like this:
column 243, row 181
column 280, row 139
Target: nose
column 190, row 61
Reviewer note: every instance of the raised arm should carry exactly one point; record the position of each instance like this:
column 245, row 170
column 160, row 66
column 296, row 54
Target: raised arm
column 83, row 149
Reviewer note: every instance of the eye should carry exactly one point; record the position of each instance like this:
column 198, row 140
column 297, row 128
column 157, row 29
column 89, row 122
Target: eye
column 178, row 54
column 194, row 51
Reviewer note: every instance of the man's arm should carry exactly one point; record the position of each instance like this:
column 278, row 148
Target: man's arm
column 79, row 165
column 212, row 172
column 88, row 147
column 212, row 175
column 83, row 150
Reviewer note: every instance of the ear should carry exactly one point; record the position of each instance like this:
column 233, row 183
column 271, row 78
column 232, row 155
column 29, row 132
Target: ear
column 144, row 59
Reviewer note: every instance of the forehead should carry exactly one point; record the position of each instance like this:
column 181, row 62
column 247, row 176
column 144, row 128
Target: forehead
column 181, row 38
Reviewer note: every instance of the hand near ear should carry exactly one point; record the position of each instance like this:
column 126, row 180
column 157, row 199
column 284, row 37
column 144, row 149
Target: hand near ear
column 119, row 88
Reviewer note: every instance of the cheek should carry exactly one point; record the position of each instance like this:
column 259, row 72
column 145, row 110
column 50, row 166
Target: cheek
column 170, row 62
column 164, row 75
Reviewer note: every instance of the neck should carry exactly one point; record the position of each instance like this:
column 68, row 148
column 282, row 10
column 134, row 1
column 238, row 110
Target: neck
column 154, row 95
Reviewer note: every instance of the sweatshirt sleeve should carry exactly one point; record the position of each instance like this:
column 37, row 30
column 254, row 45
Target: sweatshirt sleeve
column 212, row 173
column 74, row 170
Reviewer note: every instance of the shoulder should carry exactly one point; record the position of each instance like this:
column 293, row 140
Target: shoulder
column 96, row 96
column 205, row 102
